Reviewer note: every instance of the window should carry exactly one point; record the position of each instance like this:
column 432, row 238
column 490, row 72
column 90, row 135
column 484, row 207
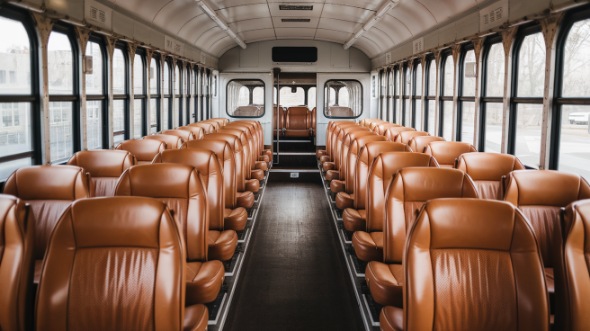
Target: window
column 178, row 94
column 430, row 110
column 407, row 90
column 190, row 95
column 417, row 96
column 18, row 98
column 292, row 96
column 245, row 98
column 492, row 105
column 527, row 106
column 120, row 96
column 154, row 116
column 95, row 96
column 395, row 106
column 343, row 98
column 139, row 96
column 166, row 94
column 311, row 97
column 466, row 121
column 446, row 109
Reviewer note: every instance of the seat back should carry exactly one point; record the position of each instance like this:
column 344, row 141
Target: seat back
column 335, row 136
column 104, row 166
column 49, row 190
column 349, row 136
column 207, row 164
column 392, row 132
column 408, row 191
column 456, row 251
column 17, row 228
column 144, row 150
column 297, row 122
column 172, row 141
column 404, row 137
column 207, row 127
column 249, row 129
column 197, row 131
column 225, row 156
column 381, row 127
column 367, row 154
column 487, row 171
column 574, row 280
column 179, row 186
column 540, row 195
column 447, row 152
column 185, row 135
column 352, row 159
column 381, row 172
column 419, row 143
column 216, row 124
column 237, row 149
column 246, row 149
column 113, row 263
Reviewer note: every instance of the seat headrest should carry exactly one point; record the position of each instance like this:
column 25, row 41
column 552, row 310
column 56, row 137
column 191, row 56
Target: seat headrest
column 48, row 182
column 373, row 149
column 207, row 127
column 172, row 142
column 103, row 162
column 446, row 152
column 297, row 111
column 545, row 188
column 422, row 184
column 234, row 142
column 219, row 147
column 488, row 166
column 406, row 136
column 160, row 180
column 392, row 132
column 197, row 131
column 204, row 160
column 143, row 149
column 185, row 135
column 419, row 143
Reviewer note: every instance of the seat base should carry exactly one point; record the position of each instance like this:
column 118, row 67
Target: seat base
column 222, row 244
column 354, row 219
column 385, row 282
column 344, row 200
column 368, row 246
column 235, row 219
column 203, row 281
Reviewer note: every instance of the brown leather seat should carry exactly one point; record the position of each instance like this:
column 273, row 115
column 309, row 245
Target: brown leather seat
column 367, row 240
column 540, row 195
column 49, row 190
column 17, row 229
column 346, row 196
column 345, row 138
column 470, row 269
column 216, row 124
column 409, row 190
column 323, row 155
column 101, row 275
column 180, row 187
column 244, row 198
column 487, row 171
column 574, row 268
column 447, row 152
column 255, row 146
column 197, row 131
column 234, row 217
column 419, row 143
column 392, row 132
column 404, row 137
column 172, row 142
column 185, row 135
column 252, row 177
column 144, row 150
column 329, row 162
column 297, row 122
column 220, row 120
column 381, row 128
column 104, row 166
column 207, row 127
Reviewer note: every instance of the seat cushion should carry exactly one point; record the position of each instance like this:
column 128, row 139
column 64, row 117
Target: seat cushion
column 196, row 318
column 203, row 281
column 235, row 219
column 332, row 174
column 245, row 199
column 222, row 244
column 261, row 165
column 328, row 165
column 385, row 282
column 354, row 219
column 257, row 174
column 265, row 159
column 337, row 185
column 391, row 319
column 319, row 153
column 252, row 185
column 344, row 200
column 368, row 246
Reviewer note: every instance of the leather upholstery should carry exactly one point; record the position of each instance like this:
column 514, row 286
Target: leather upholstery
column 17, row 229
column 172, row 142
column 408, row 191
column 456, row 249
column 144, row 150
column 49, row 190
column 381, row 172
column 404, row 137
column 207, row 127
column 419, row 143
column 447, row 152
column 115, row 263
column 487, row 171
column 540, row 195
column 104, row 166
column 349, row 136
column 297, row 122
column 382, row 127
column 197, row 131
column 180, row 187
column 392, row 132
column 184, row 135
column 243, row 136
column 574, row 268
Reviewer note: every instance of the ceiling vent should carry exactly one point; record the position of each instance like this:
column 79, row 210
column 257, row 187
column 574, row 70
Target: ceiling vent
column 295, row 20
column 295, row 7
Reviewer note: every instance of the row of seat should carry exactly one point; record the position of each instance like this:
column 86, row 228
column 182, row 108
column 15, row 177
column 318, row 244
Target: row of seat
column 387, row 196
column 197, row 184
column 296, row 121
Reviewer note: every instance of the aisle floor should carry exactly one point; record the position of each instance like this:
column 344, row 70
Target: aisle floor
column 294, row 275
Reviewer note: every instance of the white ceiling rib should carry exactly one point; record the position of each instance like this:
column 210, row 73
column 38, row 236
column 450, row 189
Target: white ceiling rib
column 373, row 26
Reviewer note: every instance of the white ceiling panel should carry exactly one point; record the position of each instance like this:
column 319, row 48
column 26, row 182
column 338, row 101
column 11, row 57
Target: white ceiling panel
column 344, row 26
column 175, row 14
column 315, row 12
column 253, row 24
column 287, row 22
column 379, row 37
column 332, row 35
column 259, row 35
column 373, row 5
column 415, row 19
column 347, row 13
column 233, row 3
column 395, row 28
column 240, row 13
column 288, row 33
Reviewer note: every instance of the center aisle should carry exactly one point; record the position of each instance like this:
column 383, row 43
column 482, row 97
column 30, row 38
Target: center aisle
column 294, row 277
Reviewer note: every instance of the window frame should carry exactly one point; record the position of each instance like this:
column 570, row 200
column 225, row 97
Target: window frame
column 326, row 100
column 250, row 96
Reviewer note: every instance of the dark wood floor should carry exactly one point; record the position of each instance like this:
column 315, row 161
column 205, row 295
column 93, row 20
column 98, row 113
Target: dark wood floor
column 294, row 276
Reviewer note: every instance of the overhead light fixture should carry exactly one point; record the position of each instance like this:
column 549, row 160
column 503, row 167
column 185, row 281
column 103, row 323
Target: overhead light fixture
column 371, row 22
column 295, row 20
column 220, row 23
column 295, row 7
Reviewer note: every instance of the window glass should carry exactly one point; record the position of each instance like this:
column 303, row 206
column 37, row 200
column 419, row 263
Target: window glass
column 118, row 117
column 177, row 80
column 166, row 114
column 341, row 103
column 495, row 71
column 153, row 115
column 576, row 61
column 311, row 98
column 15, row 129
column 138, row 74
column 432, row 78
column 467, row 121
column 469, row 74
column 60, row 64
column 15, row 73
column 94, row 124
column 8, row 167
column 431, row 118
column 447, row 119
column 137, row 118
column 61, row 131
column 94, row 77
column 292, row 96
column 166, row 79
column 119, row 70
column 574, row 145
column 154, row 77
column 418, row 68
column 245, row 98
column 448, row 76
column 531, row 65
column 418, row 114
column 528, row 133
column 493, row 127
